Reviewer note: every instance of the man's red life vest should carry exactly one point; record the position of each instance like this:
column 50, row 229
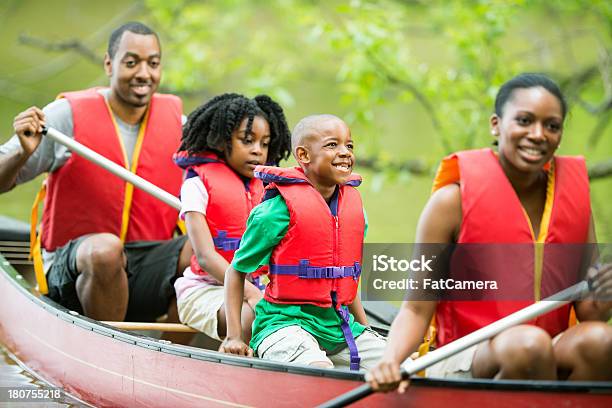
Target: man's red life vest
column 230, row 201
column 321, row 251
column 492, row 213
column 83, row 198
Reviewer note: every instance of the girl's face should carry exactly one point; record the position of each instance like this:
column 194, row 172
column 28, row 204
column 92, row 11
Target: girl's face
column 249, row 150
column 530, row 130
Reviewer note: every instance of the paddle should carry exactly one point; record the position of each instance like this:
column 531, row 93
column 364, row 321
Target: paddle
column 113, row 167
column 530, row 312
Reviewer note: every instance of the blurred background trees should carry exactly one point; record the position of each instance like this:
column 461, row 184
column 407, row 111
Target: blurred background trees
column 414, row 79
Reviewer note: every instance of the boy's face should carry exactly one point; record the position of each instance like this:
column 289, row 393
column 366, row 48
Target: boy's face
column 327, row 153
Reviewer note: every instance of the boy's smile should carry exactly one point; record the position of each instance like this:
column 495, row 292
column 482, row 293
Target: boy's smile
column 326, row 154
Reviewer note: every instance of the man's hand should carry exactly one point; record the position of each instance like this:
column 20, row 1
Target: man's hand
column 235, row 346
column 386, row 376
column 31, row 122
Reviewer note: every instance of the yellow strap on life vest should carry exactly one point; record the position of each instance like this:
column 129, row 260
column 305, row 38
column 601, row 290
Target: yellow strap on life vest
column 129, row 188
column 428, row 340
column 180, row 225
column 35, row 243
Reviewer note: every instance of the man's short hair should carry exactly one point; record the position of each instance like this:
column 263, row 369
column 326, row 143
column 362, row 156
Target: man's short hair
column 133, row 27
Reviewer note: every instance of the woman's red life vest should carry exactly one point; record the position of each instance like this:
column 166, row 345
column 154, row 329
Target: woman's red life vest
column 230, row 201
column 83, row 198
column 321, row 251
column 492, row 213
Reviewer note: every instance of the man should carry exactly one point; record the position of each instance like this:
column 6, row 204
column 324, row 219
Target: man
column 89, row 214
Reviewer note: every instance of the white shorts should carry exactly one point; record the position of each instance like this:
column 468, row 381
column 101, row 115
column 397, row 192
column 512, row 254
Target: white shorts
column 292, row 344
column 199, row 308
column 458, row 366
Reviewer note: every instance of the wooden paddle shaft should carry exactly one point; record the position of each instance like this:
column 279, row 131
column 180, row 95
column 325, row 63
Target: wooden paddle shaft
column 165, row 327
column 414, row 366
column 113, row 167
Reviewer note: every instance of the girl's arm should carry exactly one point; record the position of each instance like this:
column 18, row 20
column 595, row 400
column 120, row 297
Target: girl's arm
column 203, row 246
column 208, row 257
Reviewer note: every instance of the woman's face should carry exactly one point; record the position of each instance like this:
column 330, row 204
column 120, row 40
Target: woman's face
column 530, row 129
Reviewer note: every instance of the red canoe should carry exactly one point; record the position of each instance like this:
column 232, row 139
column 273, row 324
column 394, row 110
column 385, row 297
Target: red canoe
column 108, row 367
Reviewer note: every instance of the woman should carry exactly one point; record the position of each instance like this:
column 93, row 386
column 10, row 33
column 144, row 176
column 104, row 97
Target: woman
column 522, row 194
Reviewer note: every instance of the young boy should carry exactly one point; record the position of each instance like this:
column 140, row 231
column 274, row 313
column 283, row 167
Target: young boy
column 310, row 230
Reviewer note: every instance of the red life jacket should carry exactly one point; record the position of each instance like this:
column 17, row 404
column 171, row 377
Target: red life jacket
column 321, row 251
column 492, row 213
column 83, row 198
column 230, row 201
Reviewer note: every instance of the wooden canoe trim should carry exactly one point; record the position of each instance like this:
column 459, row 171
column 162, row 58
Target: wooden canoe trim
column 165, row 327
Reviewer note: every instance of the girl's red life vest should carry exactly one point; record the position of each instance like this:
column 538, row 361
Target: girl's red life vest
column 321, row 251
column 230, row 201
column 82, row 198
column 492, row 213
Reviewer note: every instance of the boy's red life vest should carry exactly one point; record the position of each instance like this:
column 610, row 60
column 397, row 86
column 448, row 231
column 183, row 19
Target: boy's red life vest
column 492, row 213
column 321, row 251
column 83, row 198
column 230, row 201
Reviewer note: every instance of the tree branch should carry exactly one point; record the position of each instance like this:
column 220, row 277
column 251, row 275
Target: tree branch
column 600, row 170
column 68, row 45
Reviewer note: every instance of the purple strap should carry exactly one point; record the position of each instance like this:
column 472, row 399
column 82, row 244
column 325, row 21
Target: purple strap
column 221, row 241
column 258, row 283
column 305, row 271
column 348, row 334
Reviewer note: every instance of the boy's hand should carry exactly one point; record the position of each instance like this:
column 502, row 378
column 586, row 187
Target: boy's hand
column 235, row 346
column 386, row 376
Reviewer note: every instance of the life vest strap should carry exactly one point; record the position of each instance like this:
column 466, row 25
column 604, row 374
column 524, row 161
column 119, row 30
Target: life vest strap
column 304, row 271
column 344, row 314
column 224, row 243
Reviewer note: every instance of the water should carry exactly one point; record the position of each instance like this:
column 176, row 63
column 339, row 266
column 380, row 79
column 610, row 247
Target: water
column 14, row 376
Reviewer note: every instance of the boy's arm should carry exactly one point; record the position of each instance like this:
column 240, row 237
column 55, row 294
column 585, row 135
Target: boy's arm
column 234, row 294
column 356, row 309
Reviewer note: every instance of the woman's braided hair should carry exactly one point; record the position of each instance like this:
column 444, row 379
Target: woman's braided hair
column 210, row 126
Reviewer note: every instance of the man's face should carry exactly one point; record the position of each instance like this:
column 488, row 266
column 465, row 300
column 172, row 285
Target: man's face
column 135, row 70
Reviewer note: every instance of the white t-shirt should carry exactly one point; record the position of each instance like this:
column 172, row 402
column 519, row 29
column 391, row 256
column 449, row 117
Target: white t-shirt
column 194, row 197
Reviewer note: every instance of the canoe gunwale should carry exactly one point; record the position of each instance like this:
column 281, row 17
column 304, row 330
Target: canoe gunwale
column 85, row 323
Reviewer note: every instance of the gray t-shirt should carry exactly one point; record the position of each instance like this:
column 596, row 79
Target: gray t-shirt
column 50, row 156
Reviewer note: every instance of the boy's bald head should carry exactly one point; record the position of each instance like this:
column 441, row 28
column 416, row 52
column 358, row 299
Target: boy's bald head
column 313, row 126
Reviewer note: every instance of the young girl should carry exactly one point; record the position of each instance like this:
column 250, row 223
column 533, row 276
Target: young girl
column 522, row 194
column 223, row 140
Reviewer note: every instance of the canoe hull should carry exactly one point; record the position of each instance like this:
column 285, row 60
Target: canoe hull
column 107, row 367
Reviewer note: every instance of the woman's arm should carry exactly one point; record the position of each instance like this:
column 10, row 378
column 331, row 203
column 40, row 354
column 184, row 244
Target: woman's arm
column 591, row 309
column 439, row 223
